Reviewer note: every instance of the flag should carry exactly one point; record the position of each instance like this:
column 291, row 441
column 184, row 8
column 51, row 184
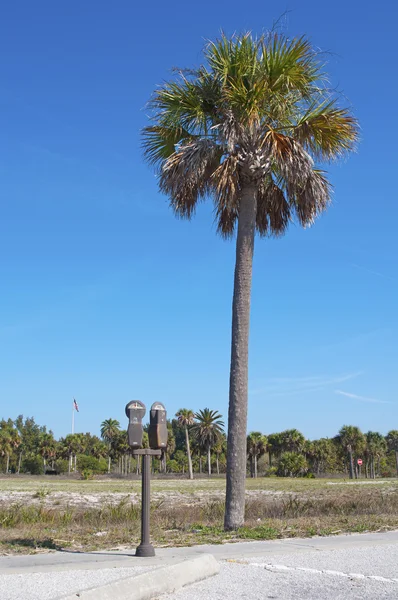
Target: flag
column 75, row 405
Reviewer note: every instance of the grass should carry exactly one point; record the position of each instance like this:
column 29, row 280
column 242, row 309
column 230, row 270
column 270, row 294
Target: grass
column 277, row 484
column 275, row 508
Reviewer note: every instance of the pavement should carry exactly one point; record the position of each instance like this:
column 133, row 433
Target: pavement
column 363, row 567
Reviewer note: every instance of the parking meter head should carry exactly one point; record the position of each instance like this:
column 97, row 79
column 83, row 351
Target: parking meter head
column 157, row 432
column 135, row 411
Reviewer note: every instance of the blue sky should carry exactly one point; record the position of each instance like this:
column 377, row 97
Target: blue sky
column 105, row 296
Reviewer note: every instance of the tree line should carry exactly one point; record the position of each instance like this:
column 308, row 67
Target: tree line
column 197, row 444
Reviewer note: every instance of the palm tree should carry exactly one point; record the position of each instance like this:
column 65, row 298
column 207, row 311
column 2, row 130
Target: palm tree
column 245, row 129
column 47, row 448
column 376, row 446
column 351, row 439
column 186, row 417
column 207, row 428
column 109, row 431
column 220, row 448
column 392, row 443
column 6, row 446
column 274, row 446
column 256, row 447
column 292, row 440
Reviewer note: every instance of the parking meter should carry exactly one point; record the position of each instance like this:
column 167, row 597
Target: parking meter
column 157, row 432
column 135, row 411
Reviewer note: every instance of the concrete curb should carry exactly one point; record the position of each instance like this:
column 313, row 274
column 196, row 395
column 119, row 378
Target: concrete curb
column 163, row 580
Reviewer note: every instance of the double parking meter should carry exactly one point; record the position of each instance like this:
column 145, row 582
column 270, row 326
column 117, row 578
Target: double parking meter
column 157, row 432
column 135, row 411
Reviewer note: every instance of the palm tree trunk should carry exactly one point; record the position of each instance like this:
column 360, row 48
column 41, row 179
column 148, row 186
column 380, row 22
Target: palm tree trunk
column 200, row 463
column 396, row 460
column 188, row 453
column 218, row 464
column 19, row 462
column 8, row 462
column 270, row 458
column 238, row 383
column 209, row 461
column 351, row 464
column 255, row 466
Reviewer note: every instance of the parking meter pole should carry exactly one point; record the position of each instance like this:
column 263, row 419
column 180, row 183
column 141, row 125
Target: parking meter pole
column 145, row 548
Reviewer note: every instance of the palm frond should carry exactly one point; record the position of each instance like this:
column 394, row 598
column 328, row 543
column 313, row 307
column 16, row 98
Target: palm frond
column 273, row 210
column 312, row 199
column 160, row 141
column 290, row 64
column 185, row 176
column 290, row 158
column 327, row 131
column 225, row 187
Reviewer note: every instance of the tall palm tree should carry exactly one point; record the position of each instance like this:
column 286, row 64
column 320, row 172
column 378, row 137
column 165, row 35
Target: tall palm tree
column 392, row 443
column 186, row 418
column 207, row 428
column 245, row 129
column 256, row 447
column 109, row 430
column 352, row 441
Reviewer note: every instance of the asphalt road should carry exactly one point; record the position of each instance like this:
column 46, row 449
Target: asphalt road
column 342, row 567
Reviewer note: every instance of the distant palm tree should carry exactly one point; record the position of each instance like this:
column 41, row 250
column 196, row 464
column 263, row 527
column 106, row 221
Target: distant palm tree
column 207, row 428
column 186, row 418
column 109, row 431
column 376, row 446
column 47, row 448
column 352, row 441
column 245, row 130
column 256, row 447
column 6, row 445
column 274, row 446
column 392, row 442
column 292, row 440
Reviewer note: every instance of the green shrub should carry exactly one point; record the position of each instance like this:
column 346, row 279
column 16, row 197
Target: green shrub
column 96, row 465
column 292, row 464
column 33, row 465
column 61, row 465
column 86, row 474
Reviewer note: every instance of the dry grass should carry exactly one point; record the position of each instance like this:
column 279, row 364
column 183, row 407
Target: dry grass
column 39, row 513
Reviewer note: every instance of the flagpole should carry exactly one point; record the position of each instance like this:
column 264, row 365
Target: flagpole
column 73, row 417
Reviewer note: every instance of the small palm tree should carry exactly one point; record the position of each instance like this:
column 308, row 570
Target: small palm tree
column 256, row 447
column 207, row 428
column 392, row 443
column 186, row 419
column 245, row 129
column 109, row 431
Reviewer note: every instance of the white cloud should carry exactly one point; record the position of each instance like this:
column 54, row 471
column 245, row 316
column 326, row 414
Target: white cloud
column 288, row 386
column 361, row 398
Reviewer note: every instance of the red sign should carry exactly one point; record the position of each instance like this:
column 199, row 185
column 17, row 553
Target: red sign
column 359, row 461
